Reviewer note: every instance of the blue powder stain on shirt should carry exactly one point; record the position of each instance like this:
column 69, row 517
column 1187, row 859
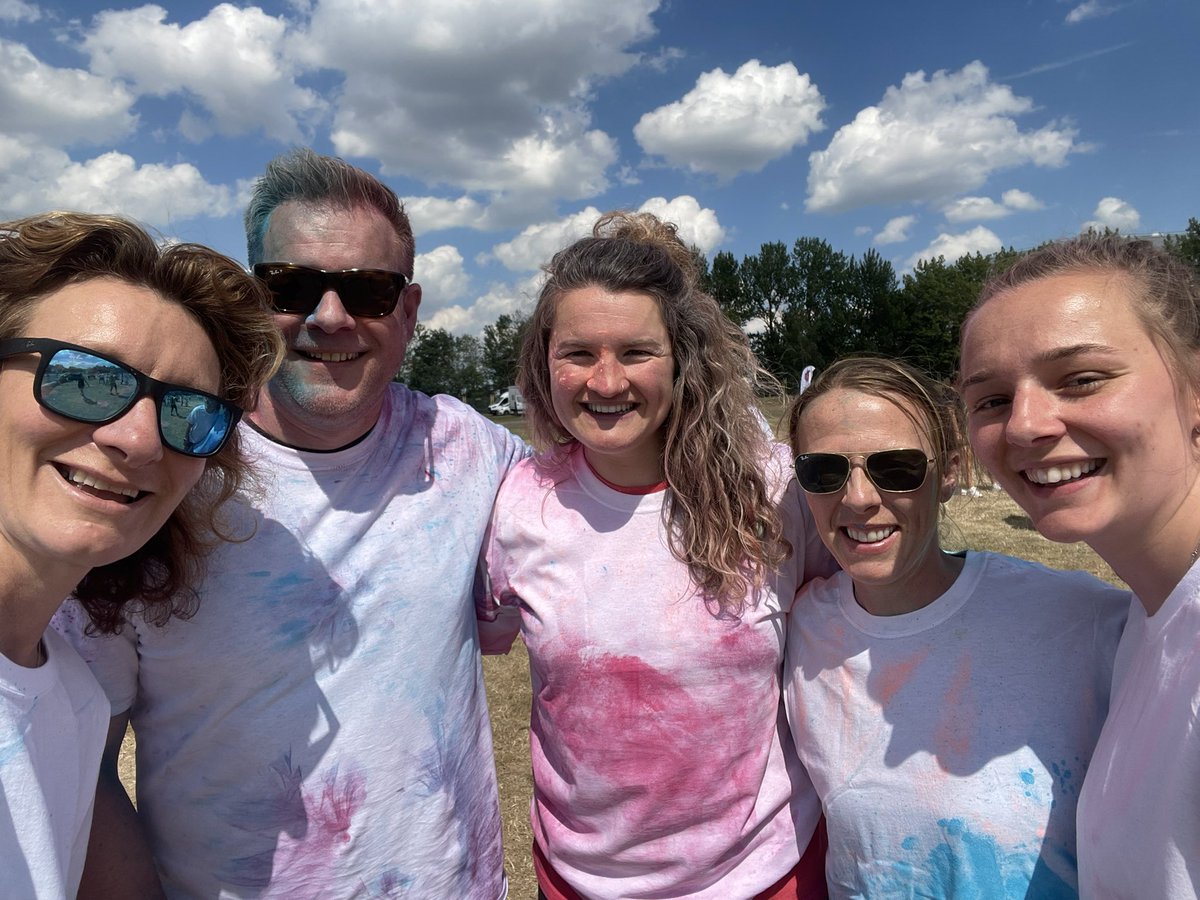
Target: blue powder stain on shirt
column 909, row 843
column 1027, row 776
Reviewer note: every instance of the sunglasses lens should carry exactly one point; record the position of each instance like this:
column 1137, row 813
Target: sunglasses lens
column 294, row 289
column 85, row 387
column 822, row 473
column 194, row 423
column 298, row 289
column 368, row 293
column 898, row 470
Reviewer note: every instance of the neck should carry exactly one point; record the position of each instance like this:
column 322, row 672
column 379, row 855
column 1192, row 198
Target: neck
column 308, row 432
column 29, row 596
column 932, row 580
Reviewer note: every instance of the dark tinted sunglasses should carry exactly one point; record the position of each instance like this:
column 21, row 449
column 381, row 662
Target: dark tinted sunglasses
column 87, row 386
column 894, row 471
column 370, row 293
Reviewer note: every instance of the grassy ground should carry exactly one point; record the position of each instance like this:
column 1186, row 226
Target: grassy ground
column 990, row 521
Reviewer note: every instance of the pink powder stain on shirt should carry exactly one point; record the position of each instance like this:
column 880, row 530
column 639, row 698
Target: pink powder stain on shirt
column 952, row 741
column 303, row 867
column 887, row 682
column 651, row 746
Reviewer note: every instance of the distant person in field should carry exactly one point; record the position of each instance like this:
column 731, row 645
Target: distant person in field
column 319, row 728
column 100, row 503
column 944, row 704
column 1081, row 375
column 646, row 559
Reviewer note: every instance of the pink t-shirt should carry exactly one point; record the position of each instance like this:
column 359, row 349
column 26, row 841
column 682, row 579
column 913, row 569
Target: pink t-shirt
column 662, row 764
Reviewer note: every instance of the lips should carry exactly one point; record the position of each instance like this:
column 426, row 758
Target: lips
column 869, row 534
column 98, row 487
column 328, row 357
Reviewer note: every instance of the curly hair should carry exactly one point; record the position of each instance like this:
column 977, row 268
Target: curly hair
column 1165, row 293
column 719, row 514
column 303, row 176
column 42, row 254
column 934, row 408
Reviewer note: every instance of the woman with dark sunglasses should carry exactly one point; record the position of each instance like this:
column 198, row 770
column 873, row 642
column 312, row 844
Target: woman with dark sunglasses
column 646, row 560
column 944, row 705
column 102, row 496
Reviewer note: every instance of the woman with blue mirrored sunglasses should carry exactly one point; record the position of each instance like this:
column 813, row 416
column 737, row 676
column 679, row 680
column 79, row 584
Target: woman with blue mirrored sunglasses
column 124, row 367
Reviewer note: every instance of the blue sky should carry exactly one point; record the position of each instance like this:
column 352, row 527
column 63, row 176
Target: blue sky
column 916, row 128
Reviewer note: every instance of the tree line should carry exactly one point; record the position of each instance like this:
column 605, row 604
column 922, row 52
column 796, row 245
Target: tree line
column 803, row 305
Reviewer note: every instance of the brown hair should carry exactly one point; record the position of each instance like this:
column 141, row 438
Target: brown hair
column 720, row 517
column 1165, row 291
column 42, row 254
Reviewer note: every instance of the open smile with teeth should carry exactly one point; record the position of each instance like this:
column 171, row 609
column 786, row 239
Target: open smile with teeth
column 608, row 408
column 1067, row 472
column 98, row 487
column 869, row 535
column 329, row 357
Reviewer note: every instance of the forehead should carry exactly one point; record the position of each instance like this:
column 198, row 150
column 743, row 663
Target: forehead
column 332, row 238
column 595, row 314
column 845, row 419
column 1048, row 316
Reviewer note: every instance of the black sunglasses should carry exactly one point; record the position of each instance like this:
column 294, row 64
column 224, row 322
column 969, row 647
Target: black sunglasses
column 894, row 471
column 87, row 386
column 369, row 293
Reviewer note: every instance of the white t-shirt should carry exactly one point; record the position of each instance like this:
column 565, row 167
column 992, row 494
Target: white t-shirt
column 1139, row 816
column 948, row 744
column 661, row 762
column 319, row 728
column 53, row 721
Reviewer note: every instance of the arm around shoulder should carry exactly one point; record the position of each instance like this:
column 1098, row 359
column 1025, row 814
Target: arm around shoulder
column 119, row 862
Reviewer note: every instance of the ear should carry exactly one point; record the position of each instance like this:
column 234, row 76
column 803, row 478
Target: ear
column 950, row 473
column 409, row 303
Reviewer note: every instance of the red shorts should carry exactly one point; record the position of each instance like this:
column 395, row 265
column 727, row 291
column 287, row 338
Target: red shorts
column 805, row 882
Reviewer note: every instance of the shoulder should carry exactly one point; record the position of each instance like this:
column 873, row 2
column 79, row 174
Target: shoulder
column 1057, row 587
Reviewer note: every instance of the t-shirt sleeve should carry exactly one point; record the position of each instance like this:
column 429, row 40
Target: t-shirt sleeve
column 112, row 658
column 497, row 606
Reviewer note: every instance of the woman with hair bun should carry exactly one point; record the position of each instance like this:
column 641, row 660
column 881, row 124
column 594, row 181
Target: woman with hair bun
column 646, row 559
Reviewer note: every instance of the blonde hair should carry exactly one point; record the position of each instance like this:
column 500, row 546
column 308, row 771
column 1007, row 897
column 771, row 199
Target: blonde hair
column 720, row 518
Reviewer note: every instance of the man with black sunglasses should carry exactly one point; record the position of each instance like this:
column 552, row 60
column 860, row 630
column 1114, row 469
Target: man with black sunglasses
column 319, row 728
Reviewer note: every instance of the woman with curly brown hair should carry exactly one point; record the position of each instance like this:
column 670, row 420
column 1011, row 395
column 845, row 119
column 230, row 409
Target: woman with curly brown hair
column 646, row 560
column 102, row 495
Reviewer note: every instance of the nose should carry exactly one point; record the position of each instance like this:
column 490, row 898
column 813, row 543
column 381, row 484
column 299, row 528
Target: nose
column 330, row 315
column 134, row 435
column 1033, row 417
column 860, row 492
column 608, row 377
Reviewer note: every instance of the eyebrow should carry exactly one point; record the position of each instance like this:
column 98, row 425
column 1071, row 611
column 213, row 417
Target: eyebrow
column 1050, row 356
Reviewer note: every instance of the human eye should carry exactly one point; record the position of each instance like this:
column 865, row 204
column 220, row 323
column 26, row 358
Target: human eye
column 1083, row 382
column 986, row 404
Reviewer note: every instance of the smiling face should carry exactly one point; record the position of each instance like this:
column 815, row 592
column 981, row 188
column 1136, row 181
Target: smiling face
column 329, row 390
column 1073, row 409
column 78, row 495
column 611, row 376
column 886, row 542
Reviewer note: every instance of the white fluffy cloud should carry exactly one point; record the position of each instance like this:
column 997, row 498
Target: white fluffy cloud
column 436, row 214
column 1112, row 212
column 18, row 11
column 37, row 178
column 952, row 246
column 931, row 138
column 486, row 96
column 729, row 124
column 59, row 106
column 977, row 209
column 441, row 275
column 233, row 62
column 499, row 299
column 535, row 245
column 896, row 230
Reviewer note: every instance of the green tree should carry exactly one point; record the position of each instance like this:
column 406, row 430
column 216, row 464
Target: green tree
column 1187, row 245
column 438, row 362
column 502, row 349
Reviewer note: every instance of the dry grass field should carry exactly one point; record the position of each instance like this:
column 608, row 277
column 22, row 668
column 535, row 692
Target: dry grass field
column 990, row 521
